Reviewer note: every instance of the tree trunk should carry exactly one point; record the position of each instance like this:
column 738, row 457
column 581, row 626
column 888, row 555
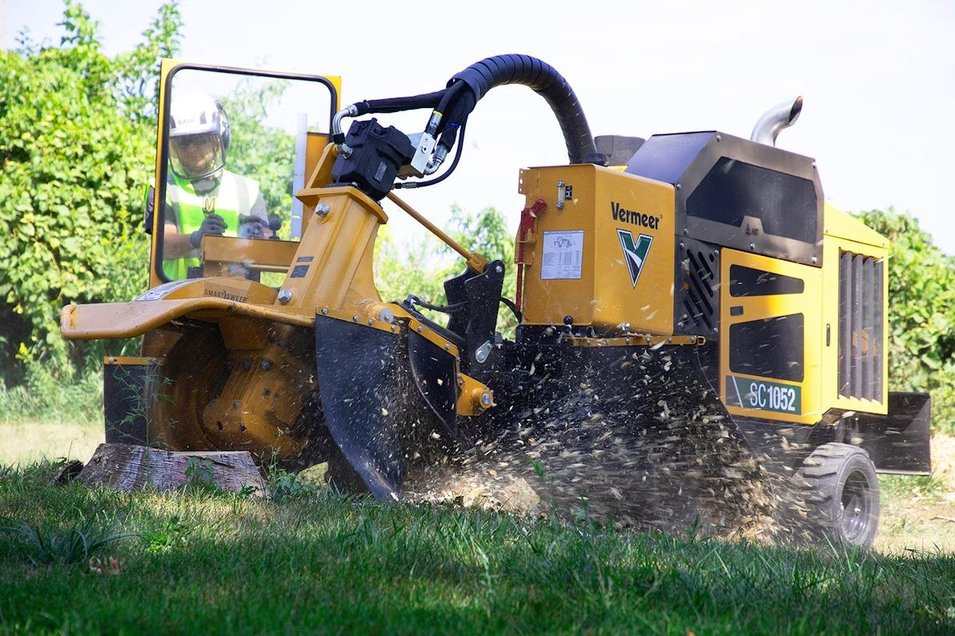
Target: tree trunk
column 127, row 467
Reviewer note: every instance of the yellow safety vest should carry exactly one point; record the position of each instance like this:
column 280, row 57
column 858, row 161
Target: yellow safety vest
column 232, row 197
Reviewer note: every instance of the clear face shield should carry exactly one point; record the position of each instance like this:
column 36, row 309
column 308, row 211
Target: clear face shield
column 196, row 157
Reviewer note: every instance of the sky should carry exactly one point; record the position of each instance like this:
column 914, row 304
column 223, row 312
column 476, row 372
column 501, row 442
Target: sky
column 877, row 78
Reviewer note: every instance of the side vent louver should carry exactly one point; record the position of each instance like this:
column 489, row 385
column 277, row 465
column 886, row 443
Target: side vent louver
column 700, row 302
column 861, row 321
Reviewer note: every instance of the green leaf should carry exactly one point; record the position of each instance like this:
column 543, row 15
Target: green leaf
column 77, row 131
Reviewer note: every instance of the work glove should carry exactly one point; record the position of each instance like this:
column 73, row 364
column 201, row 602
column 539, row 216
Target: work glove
column 213, row 224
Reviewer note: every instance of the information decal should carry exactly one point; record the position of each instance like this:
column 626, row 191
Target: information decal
column 563, row 255
column 763, row 395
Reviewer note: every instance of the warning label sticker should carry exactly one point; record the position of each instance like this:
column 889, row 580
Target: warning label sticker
column 563, row 255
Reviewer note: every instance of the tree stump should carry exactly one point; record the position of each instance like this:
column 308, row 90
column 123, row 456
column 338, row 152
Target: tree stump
column 127, row 467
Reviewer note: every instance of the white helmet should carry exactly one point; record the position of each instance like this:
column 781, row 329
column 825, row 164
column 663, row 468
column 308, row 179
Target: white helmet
column 196, row 117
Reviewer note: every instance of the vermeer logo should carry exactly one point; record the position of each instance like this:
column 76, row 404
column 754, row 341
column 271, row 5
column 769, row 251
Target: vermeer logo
column 634, row 253
column 624, row 215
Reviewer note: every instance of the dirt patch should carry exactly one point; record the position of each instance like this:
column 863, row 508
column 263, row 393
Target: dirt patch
column 923, row 521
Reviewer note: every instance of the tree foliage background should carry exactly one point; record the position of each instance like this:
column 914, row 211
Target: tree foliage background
column 921, row 313
column 77, row 135
column 400, row 271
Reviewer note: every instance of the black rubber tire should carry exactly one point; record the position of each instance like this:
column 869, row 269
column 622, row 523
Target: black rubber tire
column 840, row 489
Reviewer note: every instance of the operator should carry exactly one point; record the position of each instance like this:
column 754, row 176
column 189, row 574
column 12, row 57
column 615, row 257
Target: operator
column 202, row 197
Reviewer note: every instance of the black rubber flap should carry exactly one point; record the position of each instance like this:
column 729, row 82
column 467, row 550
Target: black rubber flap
column 433, row 370
column 363, row 386
column 127, row 389
column 900, row 441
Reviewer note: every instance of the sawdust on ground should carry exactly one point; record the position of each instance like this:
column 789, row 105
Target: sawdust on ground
column 910, row 523
column 923, row 523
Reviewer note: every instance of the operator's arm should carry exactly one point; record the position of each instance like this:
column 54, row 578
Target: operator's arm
column 176, row 245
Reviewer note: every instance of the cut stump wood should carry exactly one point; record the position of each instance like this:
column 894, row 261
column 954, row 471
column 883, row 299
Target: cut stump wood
column 127, row 467
column 69, row 472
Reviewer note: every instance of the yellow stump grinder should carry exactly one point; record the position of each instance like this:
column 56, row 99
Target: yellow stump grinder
column 696, row 326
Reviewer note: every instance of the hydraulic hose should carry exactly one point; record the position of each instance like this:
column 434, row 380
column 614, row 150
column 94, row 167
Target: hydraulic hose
column 543, row 79
column 399, row 104
column 452, row 106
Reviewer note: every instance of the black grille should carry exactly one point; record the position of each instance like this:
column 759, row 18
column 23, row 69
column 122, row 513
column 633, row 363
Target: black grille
column 701, row 285
column 861, row 324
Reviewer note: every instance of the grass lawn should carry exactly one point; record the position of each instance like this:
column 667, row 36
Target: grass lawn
column 312, row 561
column 75, row 560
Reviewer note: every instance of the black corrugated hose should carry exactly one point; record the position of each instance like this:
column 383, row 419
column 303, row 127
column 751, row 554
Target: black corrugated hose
column 455, row 103
column 543, row 79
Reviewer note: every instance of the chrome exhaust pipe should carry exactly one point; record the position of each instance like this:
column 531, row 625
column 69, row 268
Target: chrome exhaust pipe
column 774, row 120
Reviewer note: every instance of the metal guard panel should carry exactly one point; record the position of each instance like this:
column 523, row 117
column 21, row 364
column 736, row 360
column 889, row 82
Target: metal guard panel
column 126, row 320
column 900, row 441
column 363, row 387
column 687, row 159
column 667, row 157
column 434, row 373
column 129, row 387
